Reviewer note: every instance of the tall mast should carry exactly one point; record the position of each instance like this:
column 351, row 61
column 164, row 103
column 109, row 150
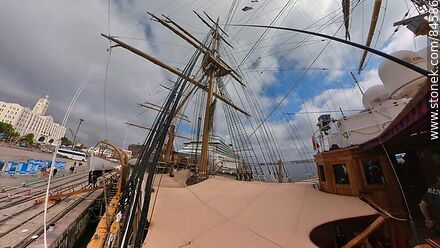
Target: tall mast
column 211, row 69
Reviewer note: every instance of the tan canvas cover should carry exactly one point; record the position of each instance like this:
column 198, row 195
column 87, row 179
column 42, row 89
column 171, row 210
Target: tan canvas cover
column 221, row 213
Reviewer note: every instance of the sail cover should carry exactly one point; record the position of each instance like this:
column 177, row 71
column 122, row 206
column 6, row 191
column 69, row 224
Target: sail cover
column 222, row 212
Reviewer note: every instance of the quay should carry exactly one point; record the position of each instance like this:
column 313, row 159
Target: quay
column 21, row 210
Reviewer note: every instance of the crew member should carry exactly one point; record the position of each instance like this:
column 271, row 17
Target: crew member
column 430, row 206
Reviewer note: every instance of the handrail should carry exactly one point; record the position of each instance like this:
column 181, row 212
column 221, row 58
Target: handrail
column 434, row 242
column 123, row 159
column 365, row 233
column 381, row 210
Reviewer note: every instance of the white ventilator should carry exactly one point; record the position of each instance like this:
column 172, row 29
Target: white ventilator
column 397, row 79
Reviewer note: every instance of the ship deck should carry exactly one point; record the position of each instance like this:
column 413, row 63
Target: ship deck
column 221, row 212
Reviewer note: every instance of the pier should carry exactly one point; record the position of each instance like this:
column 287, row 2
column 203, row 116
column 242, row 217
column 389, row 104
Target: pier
column 70, row 207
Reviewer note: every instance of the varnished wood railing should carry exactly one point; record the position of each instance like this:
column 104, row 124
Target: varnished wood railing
column 434, row 242
column 393, row 215
column 369, row 230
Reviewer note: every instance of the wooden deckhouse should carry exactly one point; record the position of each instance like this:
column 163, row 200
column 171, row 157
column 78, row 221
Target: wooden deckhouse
column 390, row 172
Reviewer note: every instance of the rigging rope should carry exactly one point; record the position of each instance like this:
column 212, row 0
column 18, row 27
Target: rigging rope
column 105, row 93
column 149, row 158
column 257, row 112
column 295, row 84
column 265, row 32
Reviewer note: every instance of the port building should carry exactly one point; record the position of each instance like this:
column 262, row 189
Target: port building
column 26, row 121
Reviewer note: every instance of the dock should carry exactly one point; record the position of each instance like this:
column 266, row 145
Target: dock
column 22, row 203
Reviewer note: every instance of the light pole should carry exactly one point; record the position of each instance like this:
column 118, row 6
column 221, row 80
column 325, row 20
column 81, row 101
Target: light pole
column 125, row 136
column 74, row 137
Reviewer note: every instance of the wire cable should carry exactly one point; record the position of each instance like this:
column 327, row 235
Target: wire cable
column 52, row 166
column 105, row 92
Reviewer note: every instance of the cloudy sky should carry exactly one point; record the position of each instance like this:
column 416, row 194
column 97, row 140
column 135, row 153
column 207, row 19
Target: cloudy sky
column 48, row 47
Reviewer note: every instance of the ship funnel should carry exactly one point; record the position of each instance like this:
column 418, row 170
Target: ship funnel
column 399, row 81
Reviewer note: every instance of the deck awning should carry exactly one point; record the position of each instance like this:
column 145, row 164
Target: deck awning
column 222, row 212
column 413, row 118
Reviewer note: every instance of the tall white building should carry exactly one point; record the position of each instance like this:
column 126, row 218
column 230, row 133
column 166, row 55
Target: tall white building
column 26, row 121
column 41, row 106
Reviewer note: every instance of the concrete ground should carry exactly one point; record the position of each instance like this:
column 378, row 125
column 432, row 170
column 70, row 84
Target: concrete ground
column 56, row 237
column 26, row 217
column 8, row 153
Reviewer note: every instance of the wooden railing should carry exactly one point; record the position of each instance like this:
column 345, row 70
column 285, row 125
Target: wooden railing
column 399, row 216
column 434, row 242
column 361, row 237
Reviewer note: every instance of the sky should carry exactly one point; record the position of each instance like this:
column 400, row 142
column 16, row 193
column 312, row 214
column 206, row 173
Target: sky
column 49, row 47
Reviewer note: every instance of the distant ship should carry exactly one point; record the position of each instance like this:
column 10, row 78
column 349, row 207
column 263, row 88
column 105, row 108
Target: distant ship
column 221, row 155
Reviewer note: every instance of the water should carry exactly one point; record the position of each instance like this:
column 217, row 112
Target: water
column 301, row 171
column 297, row 171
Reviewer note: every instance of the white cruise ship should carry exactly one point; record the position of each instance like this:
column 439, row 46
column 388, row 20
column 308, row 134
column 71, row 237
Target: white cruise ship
column 221, row 155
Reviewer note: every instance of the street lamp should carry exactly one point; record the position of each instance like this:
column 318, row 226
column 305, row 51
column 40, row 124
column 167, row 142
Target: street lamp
column 74, row 137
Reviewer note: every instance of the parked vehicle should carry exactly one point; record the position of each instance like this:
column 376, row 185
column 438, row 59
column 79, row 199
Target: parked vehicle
column 70, row 154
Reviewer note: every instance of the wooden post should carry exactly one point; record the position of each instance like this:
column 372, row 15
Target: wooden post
column 211, row 68
column 122, row 160
column 174, row 71
column 280, row 173
column 169, row 148
column 374, row 18
column 203, row 169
